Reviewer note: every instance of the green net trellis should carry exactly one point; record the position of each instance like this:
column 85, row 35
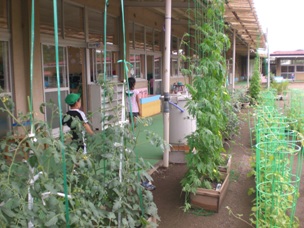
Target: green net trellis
column 279, row 158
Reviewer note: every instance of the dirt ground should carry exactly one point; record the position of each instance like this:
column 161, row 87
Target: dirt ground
column 170, row 200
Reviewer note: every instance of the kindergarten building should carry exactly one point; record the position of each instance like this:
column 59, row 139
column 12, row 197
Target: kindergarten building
column 82, row 26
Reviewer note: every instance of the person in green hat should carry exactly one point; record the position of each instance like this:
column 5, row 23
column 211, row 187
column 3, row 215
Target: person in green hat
column 74, row 101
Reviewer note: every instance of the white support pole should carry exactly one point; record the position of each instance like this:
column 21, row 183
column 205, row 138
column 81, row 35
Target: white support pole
column 248, row 66
column 166, row 79
column 268, row 62
column 233, row 60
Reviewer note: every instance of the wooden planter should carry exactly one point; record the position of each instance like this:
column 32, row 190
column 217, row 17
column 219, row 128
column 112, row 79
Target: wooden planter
column 210, row 199
column 226, row 168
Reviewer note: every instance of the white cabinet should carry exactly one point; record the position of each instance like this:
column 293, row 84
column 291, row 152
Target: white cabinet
column 105, row 105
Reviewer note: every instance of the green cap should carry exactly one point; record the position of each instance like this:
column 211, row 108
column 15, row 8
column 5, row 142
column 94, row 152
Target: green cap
column 72, row 98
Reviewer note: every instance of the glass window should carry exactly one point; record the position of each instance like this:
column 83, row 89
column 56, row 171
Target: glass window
column 5, row 120
column 4, row 73
column 112, row 31
column 100, row 63
column 131, row 35
column 157, row 87
column 95, row 26
column 73, row 21
column 157, row 67
column 174, row 46
column 3, row 14
column 139, row 37
column 298, row 61
column 291, row 68
column 137, row 65
column 284, row 69
column 97, row 64
column 174, row 67
column 149, row 39
column 49, row 67
column 50, row 82
column 300, row 68
column 52, row 98
column 47, row 17
column 157, row 40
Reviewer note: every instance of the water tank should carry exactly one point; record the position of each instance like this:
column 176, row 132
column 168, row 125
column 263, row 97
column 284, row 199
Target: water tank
column 181, row 123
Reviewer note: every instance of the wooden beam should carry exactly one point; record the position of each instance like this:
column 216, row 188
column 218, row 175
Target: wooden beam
column 161, row 4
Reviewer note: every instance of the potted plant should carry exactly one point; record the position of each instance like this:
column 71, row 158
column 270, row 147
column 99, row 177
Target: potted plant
column 208, row 96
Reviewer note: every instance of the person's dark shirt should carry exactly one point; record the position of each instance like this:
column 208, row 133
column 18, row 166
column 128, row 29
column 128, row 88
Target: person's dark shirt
column 75, row 114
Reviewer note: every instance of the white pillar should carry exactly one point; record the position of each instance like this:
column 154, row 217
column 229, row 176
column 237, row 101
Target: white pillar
column 166, row 80
column 248, row 66
column 268, row 58
column 233, row 60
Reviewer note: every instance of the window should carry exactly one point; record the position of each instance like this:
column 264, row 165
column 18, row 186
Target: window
column 174, row 66
column 139, row 33
column 47, row 17
column 50, row 82
column 300, row 68
column 287, row 71
column 97, row 64
column 4, row 73
column 174, row 56
column 136, row 69
column 157, row 87
column 298, row 61
column 174, row 46
column 73, row 21
column 3, row 14
column 5, row 121
column 49, row 67
column 131, row 35
column 157, row 68
column 149, row 39
column 112, row 31
column 157, row 40
column 95, row 26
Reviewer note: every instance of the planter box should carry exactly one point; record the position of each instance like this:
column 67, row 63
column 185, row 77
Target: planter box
column 210, row 199
column 226, row 168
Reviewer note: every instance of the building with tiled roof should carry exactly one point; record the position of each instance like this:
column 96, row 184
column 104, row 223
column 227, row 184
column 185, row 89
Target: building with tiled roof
column 288, row 64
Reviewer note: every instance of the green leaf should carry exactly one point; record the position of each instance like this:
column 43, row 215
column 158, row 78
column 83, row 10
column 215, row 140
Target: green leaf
column 52, row 221
column 117, row 205
column 8, row 212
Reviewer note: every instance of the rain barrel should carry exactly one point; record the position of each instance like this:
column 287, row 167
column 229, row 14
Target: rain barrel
column 180, row 122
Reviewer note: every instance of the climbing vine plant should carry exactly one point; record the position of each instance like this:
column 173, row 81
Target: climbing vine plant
column 207, row 69
column 255, row 84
